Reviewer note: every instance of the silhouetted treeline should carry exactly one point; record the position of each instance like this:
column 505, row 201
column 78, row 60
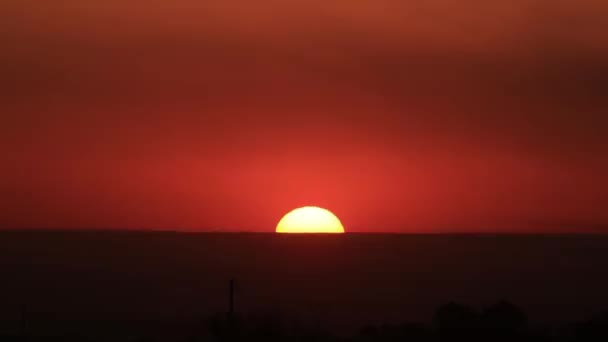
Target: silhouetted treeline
column 500, row 322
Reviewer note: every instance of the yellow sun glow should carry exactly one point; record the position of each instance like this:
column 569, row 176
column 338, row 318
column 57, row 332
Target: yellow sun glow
column 310, row 220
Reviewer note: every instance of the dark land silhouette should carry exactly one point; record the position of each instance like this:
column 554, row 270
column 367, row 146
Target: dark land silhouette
column 160, row 286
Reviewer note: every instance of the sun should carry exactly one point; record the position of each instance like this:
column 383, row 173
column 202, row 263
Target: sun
column 310, row 220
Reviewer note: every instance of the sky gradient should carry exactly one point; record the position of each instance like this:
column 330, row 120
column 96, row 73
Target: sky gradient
column 418, row 116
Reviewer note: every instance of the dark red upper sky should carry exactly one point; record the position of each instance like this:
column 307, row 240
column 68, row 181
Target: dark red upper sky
column 417, row 116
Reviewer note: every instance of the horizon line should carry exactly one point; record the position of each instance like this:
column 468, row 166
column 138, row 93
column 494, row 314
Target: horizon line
column 252, row 232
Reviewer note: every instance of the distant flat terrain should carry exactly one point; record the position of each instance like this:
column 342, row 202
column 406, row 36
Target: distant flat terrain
column 340, row 280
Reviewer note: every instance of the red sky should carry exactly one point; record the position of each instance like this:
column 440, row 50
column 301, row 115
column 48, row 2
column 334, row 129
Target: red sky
column 418, row 116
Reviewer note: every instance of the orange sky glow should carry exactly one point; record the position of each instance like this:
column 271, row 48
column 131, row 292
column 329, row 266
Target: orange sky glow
column 418, row 116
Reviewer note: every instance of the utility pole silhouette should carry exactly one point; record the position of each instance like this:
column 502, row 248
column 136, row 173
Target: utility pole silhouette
column 23, row 322
column 231, row 319
column 231, row 299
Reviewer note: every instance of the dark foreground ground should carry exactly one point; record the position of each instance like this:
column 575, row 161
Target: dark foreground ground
column 120, row 285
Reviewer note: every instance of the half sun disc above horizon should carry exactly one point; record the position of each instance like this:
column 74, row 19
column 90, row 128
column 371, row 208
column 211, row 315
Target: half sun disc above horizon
column 310, row 220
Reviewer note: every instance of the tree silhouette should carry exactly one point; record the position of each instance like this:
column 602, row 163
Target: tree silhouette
column 457, row 322
column 592, row 330
column 504, row 321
